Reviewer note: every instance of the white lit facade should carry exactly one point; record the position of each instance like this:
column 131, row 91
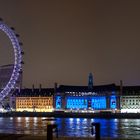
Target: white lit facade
column 130, row 100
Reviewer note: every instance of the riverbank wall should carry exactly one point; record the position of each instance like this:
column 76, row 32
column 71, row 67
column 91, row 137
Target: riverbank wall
column 31, row 137
column 71, row 115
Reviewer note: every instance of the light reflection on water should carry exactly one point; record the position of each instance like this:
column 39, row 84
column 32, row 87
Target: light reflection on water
column 24, row 125
column 122, row 128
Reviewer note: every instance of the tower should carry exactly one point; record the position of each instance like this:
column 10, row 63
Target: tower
column 90, row 81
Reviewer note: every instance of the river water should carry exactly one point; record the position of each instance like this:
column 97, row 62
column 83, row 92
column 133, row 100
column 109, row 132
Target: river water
column 111, row 128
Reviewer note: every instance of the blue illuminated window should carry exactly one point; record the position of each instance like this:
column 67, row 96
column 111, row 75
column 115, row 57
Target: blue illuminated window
column 76, row 103
column 58, row 102
column 98, row 102
column 113, row 102
column 85, row 102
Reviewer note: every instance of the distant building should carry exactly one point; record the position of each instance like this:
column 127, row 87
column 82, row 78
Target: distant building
column 85, row 99
column 33, row 100
column 5, row 75
column 90, row 98
column 130, row 99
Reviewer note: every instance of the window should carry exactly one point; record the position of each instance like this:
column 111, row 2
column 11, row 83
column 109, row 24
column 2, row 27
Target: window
column 113, row 102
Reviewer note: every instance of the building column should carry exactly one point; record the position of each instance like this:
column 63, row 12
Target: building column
column 108, row 102
column 118, row 102
column 63, row 101
column 54, row 96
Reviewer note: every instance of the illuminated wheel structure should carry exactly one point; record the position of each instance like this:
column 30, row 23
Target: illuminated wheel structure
column 17, row 69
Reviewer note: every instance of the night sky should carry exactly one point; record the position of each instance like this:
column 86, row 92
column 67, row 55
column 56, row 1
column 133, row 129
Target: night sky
column 65, row 40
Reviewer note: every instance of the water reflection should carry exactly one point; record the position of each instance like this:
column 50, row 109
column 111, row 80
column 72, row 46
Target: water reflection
column 24, row 125
column 112, row 128
column 122, row 128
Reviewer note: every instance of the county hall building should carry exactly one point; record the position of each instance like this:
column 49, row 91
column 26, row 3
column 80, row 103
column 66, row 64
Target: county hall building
column 71, row 98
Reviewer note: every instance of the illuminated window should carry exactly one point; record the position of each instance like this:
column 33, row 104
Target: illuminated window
column 98, row 102
column 76, row 103
column 58, row 102
column 113, row 102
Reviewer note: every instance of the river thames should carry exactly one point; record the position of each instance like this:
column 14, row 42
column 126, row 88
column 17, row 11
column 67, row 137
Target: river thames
column 77, row 127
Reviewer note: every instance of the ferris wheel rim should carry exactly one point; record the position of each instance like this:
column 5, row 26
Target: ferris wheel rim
column 17, row 60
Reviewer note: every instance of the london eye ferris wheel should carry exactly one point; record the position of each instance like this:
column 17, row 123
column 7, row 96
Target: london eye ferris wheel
column 17, row 67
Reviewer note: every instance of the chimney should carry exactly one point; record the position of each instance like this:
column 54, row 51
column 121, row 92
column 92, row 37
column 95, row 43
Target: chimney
column 55, row 88
column 90, row 81
column 121, row 87
column 40, row 87
column 33, row 87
